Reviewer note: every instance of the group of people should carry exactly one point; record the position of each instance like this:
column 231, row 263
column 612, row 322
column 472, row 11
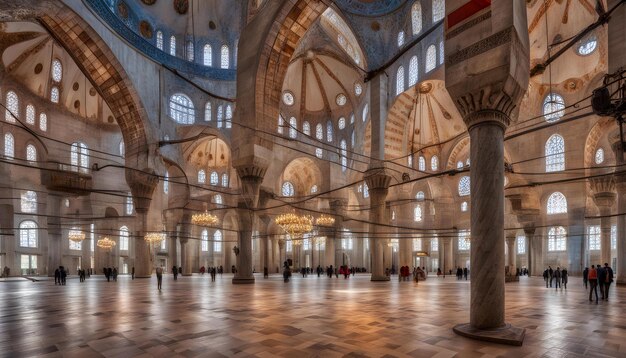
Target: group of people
column 212, row 271
column 110, row 273
column 558, row 276
column 5, row 271
column 461, row 273
column 598, row 276
column 60, row 276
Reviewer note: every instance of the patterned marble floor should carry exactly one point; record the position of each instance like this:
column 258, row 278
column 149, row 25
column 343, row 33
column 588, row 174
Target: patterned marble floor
column 307, row 317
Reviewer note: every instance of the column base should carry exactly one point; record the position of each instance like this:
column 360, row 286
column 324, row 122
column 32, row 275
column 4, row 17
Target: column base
column 505, row 335
column 243, row 280
column 186, row 274
column 380, row 278
column 137, row 276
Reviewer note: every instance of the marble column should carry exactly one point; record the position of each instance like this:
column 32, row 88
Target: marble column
column 8, row 235
column 54, row 233
column 604, row 196
column 143, row 253
column 510, row 244
column 378, row 184
column 529, row 232
column 142, row 185
column 183, row 253
column 620, row 270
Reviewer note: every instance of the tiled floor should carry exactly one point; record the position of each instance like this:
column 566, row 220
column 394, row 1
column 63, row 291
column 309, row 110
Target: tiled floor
column 304, row 318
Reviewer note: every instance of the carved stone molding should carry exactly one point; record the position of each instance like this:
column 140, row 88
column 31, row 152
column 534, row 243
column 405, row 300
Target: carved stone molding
column 377, row 179
column 142, row 185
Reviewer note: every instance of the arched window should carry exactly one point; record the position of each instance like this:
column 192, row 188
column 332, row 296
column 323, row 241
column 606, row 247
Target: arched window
column 306, row 128
column 220, row 116
column 319, row 132
column 557, row 203
column 439, row 10
column 30, row 114
column 464, row 240
column 201, row 176
column 400, row 80
column 464, row 206
column 288, row 189
column 9, row 146
column 459, row 164
column 421, row 163
column 28, row 202
column 419, row 195
column 557, row 238
column 229, row 116
column 28, row 234
column 124, row 236
column 129, row 204
column 344, row 155
column 434, row 163
column 588, row 45
column 431, row 58
column 225, row 180
column 54, row 94
column 553, row 107
column 417, row 244
column 293, row 127
column 217, row 241
column 329, row 131
column 341, row 124
column 281, row 124
column 217, row 199
column 555, row 153
column 599, row 156
column 416, row 18
column 225, row 58
column 13, row 107
column 181, row 109
column 417, row 214
column 31, row 153
column 204, row 239
column 594, row 237
column 464, row 186
column 214, row 178
column 441, row 52
column 208, row 55
column 122, row 148
column 57, row 70
column 79, row 157
column 190, row 51
column 166, row 183
column 43, row 122
column 400, row 38
column 159, row 40
column 173, row 45
column 319, row 152
column 366, row 191
column 413, row 71
column 365, row 112
column 314, row 189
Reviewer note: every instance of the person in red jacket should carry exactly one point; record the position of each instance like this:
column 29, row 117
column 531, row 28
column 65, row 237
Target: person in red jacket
column 593, row 282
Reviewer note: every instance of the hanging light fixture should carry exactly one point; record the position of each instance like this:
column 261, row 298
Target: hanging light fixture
column 154, row 238
column 204, row 219
column 106, row 243
column 325, row 220
column 295, row 225
column 76, row 235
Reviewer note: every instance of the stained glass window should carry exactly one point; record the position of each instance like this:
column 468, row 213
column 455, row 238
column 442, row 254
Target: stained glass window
column 464, row 206
column 439, row 10
column 190, row 51
column 122, row 150
column 417, row 244
column 431, row 58
column 599, row 156
column 217, row 241
column 225, row 57
column 13, row 107
column 208, row 55
column 54, row 95
column 341, row 123
column 57, row 70
column 181, row 109
column 9, row 145
column 208, row 113
column 464, row 240
column 521, row 245
column 306, row 128
column 288, row 189
column 79, row 157
column 43, row 122
column 557, row 203
column 557, row 237
column 441, row 52
column 464, row 186
column 217, row 199
column 341, row 100
column 124, row 236
column 173, row 45
column 293, row 127
column 358, row 89
column 201, row 176
column 166, row 183
column 288, row 98
column 31, row 153
column 225, row 180
column 314, row 189
column 319, row 152
column 434, row 163
column 353, row 139
column 28, row 202
column 220, row 116
column 319, row 131
column 329, row 131
column 129, row 204
column 416, row 18
column 400, row 80
column 28, row 234
column 366, row 191
column 30, row 114
column 159, row 40
column 281, row 124
column 459, row 165
column 593, row 236
column 420, row 195
column 400, row 38
column 421, row 163
column 413, row 71
column 553, row 107
column 417, row 214
column 613, row 237
column 204, row 239
column 344, row 155
column 555, row 153
column 588, row 45
column 365, row 112
column 229, row 116
column 434, row 244
column 214, row 179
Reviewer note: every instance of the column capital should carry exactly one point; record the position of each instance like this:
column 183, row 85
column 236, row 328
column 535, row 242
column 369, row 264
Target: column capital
column 604, row 192
column 142, row 184
column 377, row 179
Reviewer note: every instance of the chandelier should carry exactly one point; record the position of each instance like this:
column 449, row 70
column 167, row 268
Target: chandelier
column 204, row 219
column 76, row 235
column 154, row 238
column 106, row 243
column 325, row 220
column 296, row 242
column 295, row 225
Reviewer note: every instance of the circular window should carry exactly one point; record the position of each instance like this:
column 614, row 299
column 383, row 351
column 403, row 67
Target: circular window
column 553, row 107
column 341, row 99
column 599, row 156
column 288, row 98
column 342, row 123
column 587, row 46
column 358, row 89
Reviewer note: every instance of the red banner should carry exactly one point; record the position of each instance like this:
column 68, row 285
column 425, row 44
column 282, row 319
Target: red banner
column 466, row 11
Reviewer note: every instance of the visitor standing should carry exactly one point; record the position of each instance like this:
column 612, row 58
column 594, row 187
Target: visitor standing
column 133, row 273
column 159, row 275
column 593, row 282
column 557, row 278
column 564, row 277
column 608, row 279
column 175, row 272
column 585, row 276
column 546, row 276
column 601, row 277
column 550, row 274
column 57, row 277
